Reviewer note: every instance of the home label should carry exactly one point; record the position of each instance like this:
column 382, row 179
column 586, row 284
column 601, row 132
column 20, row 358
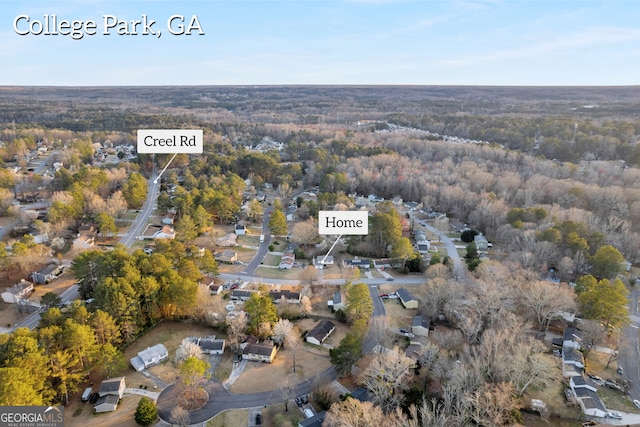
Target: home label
column 343, row 222
column 170, row 141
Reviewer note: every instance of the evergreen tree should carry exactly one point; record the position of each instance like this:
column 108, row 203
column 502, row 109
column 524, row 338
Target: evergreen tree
column 146, row 412
column 278, row 223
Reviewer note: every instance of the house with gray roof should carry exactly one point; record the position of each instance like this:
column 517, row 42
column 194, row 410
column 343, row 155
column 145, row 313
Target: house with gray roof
column 17, row 292
column 112, row 386
column 107, row 403
column 320, row 332
column 420, row 326
column 149, row 357
column 407, row 299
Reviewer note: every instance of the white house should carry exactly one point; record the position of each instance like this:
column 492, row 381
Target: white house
column 166, row 232
column 337, row 303
column 17, row 292
column 149, row 357
column 107, row 403
column 320, row 332
column 241, row 230
column 112, row 386
column 287, row 261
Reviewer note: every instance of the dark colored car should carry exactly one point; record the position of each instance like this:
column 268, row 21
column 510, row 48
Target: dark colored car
column 305, row 399
column 94, row 398
column 298, row 401
column 258, row 419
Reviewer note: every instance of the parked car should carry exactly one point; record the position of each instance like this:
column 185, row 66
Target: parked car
column 384, row 295
column 614, row 415
column 637, row 403
column 305, row 399
column 620, row 370
column 94, row 398
column 298, row 401
column 258, row 419
column 393, row 296
column 612, row 384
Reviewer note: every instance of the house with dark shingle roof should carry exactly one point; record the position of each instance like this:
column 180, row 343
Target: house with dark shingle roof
column 407, row 299
column 264, row 351
column 112, row 386
column 320, row 332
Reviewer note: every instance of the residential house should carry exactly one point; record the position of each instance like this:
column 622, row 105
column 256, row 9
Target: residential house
column 337, row 303
column 113, row 387
column 107, row 403
column 358, row 263
column 46, row 275
column 420, row 326
column 382, row 263
column 407, row 299
column 209, row 345
column 86, row 237
column 361, row 394
column 227, row 256
column 571, row 338
column 572, row 362
column 17, row 292
column 414, row 351
column 240, row 230
column 289, row 296
column 228, row 241
column 323, row 261
column 423, row 246
column 315, row 421
column 241, row 295
column 320, row 332
column 482, row 244
column 264, row 351
column 166, row 232
column 149, row 357
column 168, row 219
column 287, row 261
column 587, row 397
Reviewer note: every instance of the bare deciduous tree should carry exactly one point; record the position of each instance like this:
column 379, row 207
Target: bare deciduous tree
column 386, row 378
column 187, row 349
column 546, row 301
column 236, row 330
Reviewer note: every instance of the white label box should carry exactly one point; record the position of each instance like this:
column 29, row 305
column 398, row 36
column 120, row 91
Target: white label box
column 343, row 222
column 169, row 141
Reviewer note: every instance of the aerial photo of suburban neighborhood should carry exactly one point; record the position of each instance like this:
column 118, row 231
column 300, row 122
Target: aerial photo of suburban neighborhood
column 339, row 213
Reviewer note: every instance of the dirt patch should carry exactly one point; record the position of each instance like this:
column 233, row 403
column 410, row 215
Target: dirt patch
column 80, row 414
column 397, row 315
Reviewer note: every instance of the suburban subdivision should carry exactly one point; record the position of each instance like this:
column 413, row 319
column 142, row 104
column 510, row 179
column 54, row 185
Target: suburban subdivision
column 335, row 256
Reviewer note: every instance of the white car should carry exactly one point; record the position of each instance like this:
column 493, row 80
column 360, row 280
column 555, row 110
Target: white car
column 614, row 415
column 637, row 403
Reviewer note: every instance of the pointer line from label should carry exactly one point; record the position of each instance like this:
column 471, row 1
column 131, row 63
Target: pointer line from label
column 155, row 181
column 331, row 248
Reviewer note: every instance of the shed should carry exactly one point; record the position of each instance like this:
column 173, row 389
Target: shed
column 407, row 299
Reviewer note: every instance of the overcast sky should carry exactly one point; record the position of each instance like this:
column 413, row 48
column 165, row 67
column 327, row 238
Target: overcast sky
column 271, row 42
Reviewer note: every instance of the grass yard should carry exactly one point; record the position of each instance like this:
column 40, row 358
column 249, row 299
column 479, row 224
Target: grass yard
column 230, row 418
column 80, row 414
column 276, row 273
column 271, row 259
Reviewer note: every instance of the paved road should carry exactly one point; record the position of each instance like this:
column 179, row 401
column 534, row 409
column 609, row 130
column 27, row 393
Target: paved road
column 31, row 321
column 264, row 246
column 629, row 347
column 459, row 271
column 139, row 224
